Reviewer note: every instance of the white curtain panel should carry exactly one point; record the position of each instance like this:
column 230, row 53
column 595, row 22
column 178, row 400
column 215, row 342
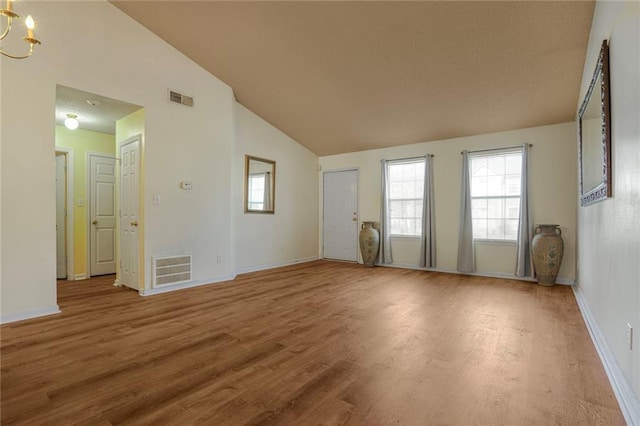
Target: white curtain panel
column 384, row 253
column 428, row 237
column 466, row 257
column 524, row 261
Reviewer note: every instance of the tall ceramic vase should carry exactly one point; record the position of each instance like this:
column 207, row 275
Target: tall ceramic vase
column 369, row 243
column 547, row 248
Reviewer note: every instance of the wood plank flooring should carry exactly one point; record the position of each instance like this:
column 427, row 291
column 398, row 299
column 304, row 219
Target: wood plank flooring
column 317, row 343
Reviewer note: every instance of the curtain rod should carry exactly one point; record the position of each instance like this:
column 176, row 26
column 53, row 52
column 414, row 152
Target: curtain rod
column 409, row 158
column 497, row 149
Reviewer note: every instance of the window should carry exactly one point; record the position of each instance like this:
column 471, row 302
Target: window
column 256, row 191
column 495, row 194
column 406, row 189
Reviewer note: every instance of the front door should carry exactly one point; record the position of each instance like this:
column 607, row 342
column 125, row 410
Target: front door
column 340, row 229
column 129, row 212
column 102, row 199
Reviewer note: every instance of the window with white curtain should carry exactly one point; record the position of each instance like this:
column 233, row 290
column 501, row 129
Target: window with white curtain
column 495, row 194
column 256, row 191
column 406, row 190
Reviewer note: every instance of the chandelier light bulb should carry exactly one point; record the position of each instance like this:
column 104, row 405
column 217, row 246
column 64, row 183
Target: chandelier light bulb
column 71, row 122
column 30, row 26
column 29, row 23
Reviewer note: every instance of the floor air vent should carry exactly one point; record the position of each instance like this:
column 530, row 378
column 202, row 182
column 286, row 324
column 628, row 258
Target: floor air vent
column 170, row 270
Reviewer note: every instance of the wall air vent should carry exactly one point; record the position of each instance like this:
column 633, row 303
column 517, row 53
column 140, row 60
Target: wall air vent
column 180, row 98
column 170, row 270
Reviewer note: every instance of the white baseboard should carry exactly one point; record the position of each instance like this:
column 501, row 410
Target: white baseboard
column 34, row 313
column 182, row 286
column 559, row 280
column 565, row 281
column 248, row 269
column 628, row 401
column 80, row 277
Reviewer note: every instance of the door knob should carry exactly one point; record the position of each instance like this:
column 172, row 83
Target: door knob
column 95, row 222
column 134, row 223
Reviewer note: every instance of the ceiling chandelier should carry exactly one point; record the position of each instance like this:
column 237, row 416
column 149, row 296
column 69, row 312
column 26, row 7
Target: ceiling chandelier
column 10, row 15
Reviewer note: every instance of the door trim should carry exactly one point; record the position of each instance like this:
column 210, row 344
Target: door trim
column 87, row 204
column 321, row 230
column 68, row 153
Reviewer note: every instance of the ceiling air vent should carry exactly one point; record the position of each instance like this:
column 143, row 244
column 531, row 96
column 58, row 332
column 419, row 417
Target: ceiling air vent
column 180, row 98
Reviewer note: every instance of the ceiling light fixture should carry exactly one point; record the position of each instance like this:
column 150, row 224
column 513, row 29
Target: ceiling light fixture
column 10, row 15
column 71, row 122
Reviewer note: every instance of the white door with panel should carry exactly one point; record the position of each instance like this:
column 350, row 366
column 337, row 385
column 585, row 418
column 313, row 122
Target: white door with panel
column 340, row 213
column 129, row 212
column 102, row 201
column 61, row 216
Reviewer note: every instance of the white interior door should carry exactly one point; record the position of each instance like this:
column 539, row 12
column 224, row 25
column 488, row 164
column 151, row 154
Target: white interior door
column 340, row 228
column 61, row 216
column 102, row 199
column 129, row 212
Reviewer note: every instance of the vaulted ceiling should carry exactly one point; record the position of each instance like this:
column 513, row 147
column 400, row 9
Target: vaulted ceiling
column 349, row 76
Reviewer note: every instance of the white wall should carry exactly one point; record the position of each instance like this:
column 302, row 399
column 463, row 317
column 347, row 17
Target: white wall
column 609, row 231
column 291, row 234
column 94, row 47
column 553, row 193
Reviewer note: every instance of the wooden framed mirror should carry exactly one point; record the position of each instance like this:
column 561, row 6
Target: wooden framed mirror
column 594, row 135
column 259, row 185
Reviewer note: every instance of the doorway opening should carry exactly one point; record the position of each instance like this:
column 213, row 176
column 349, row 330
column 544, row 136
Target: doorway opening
column 92, row 246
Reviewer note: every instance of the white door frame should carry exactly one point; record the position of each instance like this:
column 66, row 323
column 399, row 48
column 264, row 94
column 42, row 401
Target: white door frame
column 68, row 153
column 359, row 222
column 87, row 203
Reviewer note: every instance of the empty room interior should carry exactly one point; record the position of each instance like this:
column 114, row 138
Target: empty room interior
column 319, row 212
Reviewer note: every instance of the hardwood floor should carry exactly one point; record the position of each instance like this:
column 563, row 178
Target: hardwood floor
column 316, row 343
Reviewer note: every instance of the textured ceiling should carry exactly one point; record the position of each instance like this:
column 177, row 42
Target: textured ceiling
column 99, row 117
column 349, row 76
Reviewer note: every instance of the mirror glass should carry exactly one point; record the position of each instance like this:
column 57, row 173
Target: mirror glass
column 595, row 135
column 592, row 139
column 259, row 185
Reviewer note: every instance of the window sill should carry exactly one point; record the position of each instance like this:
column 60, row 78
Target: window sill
column 405, row 237
column 496, row 242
